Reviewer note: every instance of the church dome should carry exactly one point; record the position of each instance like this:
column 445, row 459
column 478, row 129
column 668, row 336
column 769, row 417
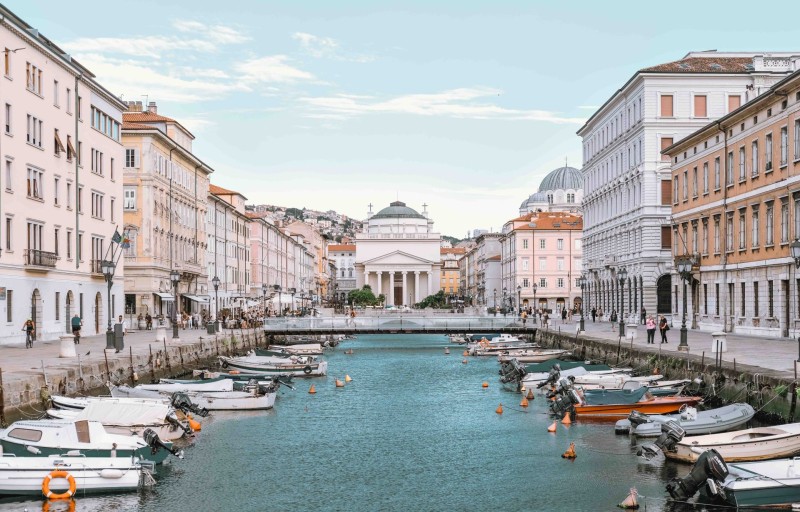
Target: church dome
column 538, row 197
column 563, row 178
column 397, row 209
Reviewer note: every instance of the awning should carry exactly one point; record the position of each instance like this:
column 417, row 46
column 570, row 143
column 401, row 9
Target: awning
column 202, row 299
column 59, row 144
column 165, row 297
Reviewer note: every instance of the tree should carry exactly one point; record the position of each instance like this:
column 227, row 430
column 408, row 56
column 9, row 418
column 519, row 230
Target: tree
column 437, row 300
column 363, row 297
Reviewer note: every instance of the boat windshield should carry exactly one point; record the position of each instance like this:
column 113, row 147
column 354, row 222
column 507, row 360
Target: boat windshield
column 26, row 434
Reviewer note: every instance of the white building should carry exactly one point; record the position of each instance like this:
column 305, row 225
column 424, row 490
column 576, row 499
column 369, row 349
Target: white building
column 343, row 256
column 228, row 258
column 626, row 180
column 561, row 190
column 60, row 189
column 398, row 255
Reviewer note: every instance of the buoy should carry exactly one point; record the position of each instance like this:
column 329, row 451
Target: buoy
column 630, row 502
column 339, row 384
column 135, row 376
column 312, row 390
column 347, row 378
column 194, row 425
column 529, row 396
column 465, row 353
column 570, row 453
column 446, row 350
column 566, row 420
column 522, row 389
column 485, row 384
column 655, row 370
column 499, row 409
column 464, row 361
column 524, row 402
column 552, row 428
column 234, row 372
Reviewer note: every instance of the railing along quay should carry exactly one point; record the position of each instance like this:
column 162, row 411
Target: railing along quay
column 391, row 324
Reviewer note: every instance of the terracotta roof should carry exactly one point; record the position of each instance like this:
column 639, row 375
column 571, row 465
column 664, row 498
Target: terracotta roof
column 126, row 125
column 341, row 247
column 149, row 117
column 496, row 257
column 254, row 215
column 550, row 221
column 453, row 250
column 716, row 64
column 214, row 189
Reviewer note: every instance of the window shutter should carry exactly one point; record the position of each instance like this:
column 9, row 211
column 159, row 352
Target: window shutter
column 665, row 143
column 734, row 102
column 666, row 192
column 700, row 106
column 136, row 158
column 666, row 237
column 666, row 105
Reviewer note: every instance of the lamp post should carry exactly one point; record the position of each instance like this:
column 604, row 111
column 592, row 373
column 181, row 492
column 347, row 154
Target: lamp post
column 495, row 302
column 277, row 288
column 684, row 265
column 108, row 267
column 519, row 299
column 292, row 291
column 535, row 305
column 795, row 247
column 175, row 277
column 264, row 289
column 505, row 300
column 622, row 274
column 582, row 283
column 215, row 282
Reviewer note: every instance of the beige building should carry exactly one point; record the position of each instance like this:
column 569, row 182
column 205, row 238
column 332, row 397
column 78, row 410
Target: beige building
column 318, row 281
column 450, row 282
column 60, row 189
column 164, row 204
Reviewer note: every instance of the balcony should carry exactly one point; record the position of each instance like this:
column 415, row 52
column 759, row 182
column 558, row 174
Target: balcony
column 36, row 259
column 95, row 267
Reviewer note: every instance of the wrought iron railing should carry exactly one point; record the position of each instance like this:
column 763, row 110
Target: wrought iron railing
column 37, row 258
column 95, row 266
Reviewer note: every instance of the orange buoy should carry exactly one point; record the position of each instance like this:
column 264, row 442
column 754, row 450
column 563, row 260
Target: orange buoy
column 630, row 502
column 234, row 372
column 570, row 453
column 464, row 361
column 312, row 390
column 524, row 402
column 485, row 384
column 193, row 424
column 566, row 420
column 529, row 396
column 552, row 428
column 465, row 353
column 347, row 378
column 339, row 384
column 499, row 409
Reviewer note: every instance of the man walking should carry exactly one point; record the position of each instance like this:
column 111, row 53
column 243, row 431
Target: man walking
column 594, row 314
column 77, row 323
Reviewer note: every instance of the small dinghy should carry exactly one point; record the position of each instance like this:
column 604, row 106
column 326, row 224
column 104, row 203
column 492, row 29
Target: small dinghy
column 210, row 401
column 297, row 366
column 530, row 355
column 752, row 444
column 694, row 422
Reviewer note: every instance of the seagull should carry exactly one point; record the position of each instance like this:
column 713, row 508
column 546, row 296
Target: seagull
column 87, row 353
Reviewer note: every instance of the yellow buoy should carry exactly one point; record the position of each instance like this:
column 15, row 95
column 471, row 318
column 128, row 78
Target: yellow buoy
column 552, row 428
column 194, row 425
column 464, row 361
column 485, row 384
column 529, row 396
column 570, row 453
column 339, row 384
column 499, row 409
column 347, row 378
column 566, row 420
column 524, row 402
column 312, row 390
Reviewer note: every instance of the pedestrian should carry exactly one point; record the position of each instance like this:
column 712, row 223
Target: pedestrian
column 524, row 317
column 149, row 320
column 30, row 331
column 119, row 334
column 644, row 315
column 76, row 323
column 124, row 325
column 594, row 314
column 546, row 319
column 613, row 319
column 663, row 326
column 650, row 323
column 563, row 315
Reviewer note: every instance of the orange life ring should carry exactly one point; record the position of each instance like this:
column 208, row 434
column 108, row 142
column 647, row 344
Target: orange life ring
column 58, row 473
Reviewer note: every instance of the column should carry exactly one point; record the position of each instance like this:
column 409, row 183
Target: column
column 366, row 277
column 390, row 291
column 380, row 283
column 405, row 295
column 416, row 287
column 430, row 284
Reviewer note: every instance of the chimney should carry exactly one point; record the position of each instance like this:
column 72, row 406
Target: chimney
column 134, row 106
column 151, row 107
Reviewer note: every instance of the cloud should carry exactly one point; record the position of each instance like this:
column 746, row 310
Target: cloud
column 218, row 33
column 271, row 69
column 467, row 103
column 326, row 47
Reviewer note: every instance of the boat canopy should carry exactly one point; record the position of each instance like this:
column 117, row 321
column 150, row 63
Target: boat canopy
column 124, row 413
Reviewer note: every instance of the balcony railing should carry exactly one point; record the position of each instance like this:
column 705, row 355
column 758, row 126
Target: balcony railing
column 37, row 258
column 95, row 267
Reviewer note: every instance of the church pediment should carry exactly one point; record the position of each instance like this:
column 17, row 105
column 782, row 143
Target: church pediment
column 398, row 258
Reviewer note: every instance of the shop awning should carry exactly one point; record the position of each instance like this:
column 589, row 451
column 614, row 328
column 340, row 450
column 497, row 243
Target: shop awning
column 202, row 299
column 165, row 297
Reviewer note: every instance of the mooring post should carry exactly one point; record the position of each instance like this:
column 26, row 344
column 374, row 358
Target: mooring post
column 152, row 366
column 180, row 354
column 2, row 402
column 108, row 372
column 792, row 390
column 166, row 355
column 703, row 360
column 44, row 373
column 133, row 380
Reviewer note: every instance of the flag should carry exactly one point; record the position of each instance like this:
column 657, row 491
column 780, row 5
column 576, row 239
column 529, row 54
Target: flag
column 117, row 238
column 126, row 243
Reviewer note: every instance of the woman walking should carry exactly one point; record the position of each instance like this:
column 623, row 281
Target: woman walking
column 663, row 327
column 650, row 323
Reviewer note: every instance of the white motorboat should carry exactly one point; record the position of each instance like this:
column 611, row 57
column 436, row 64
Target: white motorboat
column 612, row 380
column 73, row 474
column 211, row 401
column 301, row 349
column 298, row 366
column 692, row 421
column 80, row 403
column 532, row 380
column 129, row 417
column 215, row 385
column 530, row 355
column 752, row 444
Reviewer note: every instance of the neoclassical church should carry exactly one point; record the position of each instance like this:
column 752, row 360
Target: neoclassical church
column 398, row 255
column 561, row 190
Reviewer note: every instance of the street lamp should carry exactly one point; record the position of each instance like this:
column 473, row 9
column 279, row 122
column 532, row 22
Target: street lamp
column 684, row 264
column 108, row 267
column 519, row 299
column 622, row 274
column 292, row 291
column 277, row 288
column 535, row 287
column 795, row 247
column 175, row 277
column 215, row 282
column 495, row 302
column 505, row 299
column 582, row 283
column 264, row 289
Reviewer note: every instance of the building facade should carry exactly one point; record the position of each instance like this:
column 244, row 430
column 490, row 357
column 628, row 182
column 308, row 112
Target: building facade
column 398, row 255
column 735, row 195
column 560, row 191
column 164, row 207
column 343, row 256
column 627, row 179
column 450, row 279
column 228, row 258
column 60, row 189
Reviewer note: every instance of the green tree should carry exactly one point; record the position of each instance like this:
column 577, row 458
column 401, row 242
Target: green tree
column 364, row 297
column 437, row 301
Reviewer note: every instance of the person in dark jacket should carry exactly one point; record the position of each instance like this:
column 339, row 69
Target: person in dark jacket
column 663, row 327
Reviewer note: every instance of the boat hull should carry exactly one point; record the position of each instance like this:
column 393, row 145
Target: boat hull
column 224, row 401
column 165, row 431
column 532, row 357
column 785, row 442
column 768, row 484
column 661, row 405
column 318, row 369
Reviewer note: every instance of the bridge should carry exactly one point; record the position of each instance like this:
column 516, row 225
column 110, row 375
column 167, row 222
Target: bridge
column 398, row 324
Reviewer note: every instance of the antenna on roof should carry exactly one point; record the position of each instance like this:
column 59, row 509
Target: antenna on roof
column 566, row 162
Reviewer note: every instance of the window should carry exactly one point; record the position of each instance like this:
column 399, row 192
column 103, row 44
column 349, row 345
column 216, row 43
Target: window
column 784, row 145
column 131, row 158
column 541, row 243
column 79, row 153
column 729, row 169
column 716, row 235
column 129, row 200
column 666, row 105
column 58, row 306
column 542, row 263
column 34, row 131
column 560, row 263
column 705, row 177
column 797, row 139
column 784, row 221
column 797, row 217
column 525, row 282
column 770, row 306
column 666, row 237
column 35, row 184
column 742, row 304
column 729, row 233
column 112, row 212
column 111, row 169
column 695, row 245
column 8, row 237
column 8, row 119
column 7, row 62
column 770, row 227
column 705, row 237
column 542, row 282
column 69, row 244
column 10, row 310
column 80, row 199
column 755, row 298
column 754, row 155
column 97, row 162
column 97, row 205
column 70, row 149
column 525, row 243
column 675, row 189
column 55, row 96
column 33, row 78
column 55, row 241
column 685, row 185
column 755, row 226
column 69, row 101
column 742, row 166
column 694, row 182
column 734, row 101
column 665, row 143
column 767, row 152
column 700, row 106
column 69, row 196
column 560, row 244
column 716, row 173
column 55, row 191
column 525, row 263
column 560, row 282
column 742, row 235
column 8, row 175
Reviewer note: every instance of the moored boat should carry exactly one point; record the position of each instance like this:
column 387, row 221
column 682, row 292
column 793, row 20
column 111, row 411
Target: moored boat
column 211, row 401
column 618, row 404
column 694, row 422
column 530, row 355
column 213, row 385
column 298, row 366
column 752, row 444
column 301, row 349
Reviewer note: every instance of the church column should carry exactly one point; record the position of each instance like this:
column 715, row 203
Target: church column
column 390, row 291
column 416, row 286
column 380, row 284
column 405, row 294
column 430, row 283
column 366, row 277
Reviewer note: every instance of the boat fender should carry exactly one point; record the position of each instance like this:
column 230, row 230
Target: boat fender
column 570, row 453
column 111, row 473
column 307, row 370
column 58, row 496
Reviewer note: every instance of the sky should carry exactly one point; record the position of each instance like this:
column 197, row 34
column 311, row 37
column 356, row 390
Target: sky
column 463, row 106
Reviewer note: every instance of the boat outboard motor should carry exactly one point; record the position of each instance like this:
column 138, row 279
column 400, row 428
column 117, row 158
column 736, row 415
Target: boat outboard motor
column 181, row 401
column 637, row 418
column 710, row 469
column 173, row 420
column 565, row 402
column 671, row 434
column 552, row 377
column 155, row 443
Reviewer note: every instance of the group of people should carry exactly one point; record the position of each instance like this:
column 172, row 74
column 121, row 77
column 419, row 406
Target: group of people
column 648, row 320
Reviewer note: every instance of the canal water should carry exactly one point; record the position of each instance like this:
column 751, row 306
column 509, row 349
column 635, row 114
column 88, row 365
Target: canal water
column 414, row 431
